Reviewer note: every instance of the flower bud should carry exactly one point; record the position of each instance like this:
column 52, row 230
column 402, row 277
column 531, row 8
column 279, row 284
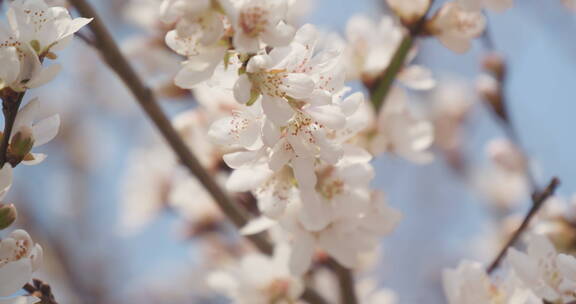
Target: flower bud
column 506, row 155
column 490, row 90
column 8, row 215
column 20, row 145
column 495, row 65
column 409, row 12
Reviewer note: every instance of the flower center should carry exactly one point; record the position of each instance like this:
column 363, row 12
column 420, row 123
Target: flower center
column 269, row 82
column 253, row 20
column 278, row 290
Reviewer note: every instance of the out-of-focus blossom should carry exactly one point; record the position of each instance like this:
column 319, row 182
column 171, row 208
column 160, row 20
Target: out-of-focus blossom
column 400, row 131
column 259, row 279
column 409, row 11
column 548, row 274
column 146, row 187
column 469, row 284
column 504, row 181
column 345, row 238
column 371, row 47
column 256, row 21
column 455, row 26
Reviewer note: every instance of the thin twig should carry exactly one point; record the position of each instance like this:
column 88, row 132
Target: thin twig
column 104, row 42
column 40, row 290
column 378, row 96
column 538, row 201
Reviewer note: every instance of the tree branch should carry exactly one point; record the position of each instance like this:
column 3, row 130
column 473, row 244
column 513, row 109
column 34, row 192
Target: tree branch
column 538, row 200
column 10, row 104
column 345, row 282
column 497, row 67
column 111, row 54
column 40, row 290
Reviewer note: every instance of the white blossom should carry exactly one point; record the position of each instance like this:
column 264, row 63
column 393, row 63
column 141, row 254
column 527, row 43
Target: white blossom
column 43, row 27
column 455, row 25
column 199, row 36
column 19, row 258
column 371, row 47
column 548, row 274
column 409, row 11
column 345, row 238
column 35, row 31
column 260, row 21
column 259, row 279
column 469, row 284
column 401, row 131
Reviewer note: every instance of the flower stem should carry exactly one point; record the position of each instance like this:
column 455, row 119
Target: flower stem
column 378, row 96
column 381, row 91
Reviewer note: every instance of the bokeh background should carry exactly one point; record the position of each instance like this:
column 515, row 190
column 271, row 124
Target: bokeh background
column 71, row 203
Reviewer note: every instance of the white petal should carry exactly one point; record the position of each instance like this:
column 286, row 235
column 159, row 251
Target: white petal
column 257, row 225
column 46, row 129
column 314, row 214
column 455, row 43
column 328, row 115
column 14, row 275
column 281, row 154
column 245, row 43
column 417, row 77
column 223, row 282
column 241, row 158
column 243, row 89
column 277, row 110
column 270, row 133
column 220, row 131
column 304, row 172
column 246, row 179
column 351, row 104
column 5, row 180
column 303, row 248
column 298, row 85
column 281, row 35
column 44, row 76
column 567, row 265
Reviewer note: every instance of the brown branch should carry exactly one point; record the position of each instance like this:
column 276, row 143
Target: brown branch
column 496, row 66
column 11, row 101
column 345, row 282
column 111, row 54
column 538, row 200
column 40, row 290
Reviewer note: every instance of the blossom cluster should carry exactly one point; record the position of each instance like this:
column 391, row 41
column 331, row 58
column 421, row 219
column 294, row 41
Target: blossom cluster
column 274, row 104
column 541, row 275
column 34, row 33
column 296, row 138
